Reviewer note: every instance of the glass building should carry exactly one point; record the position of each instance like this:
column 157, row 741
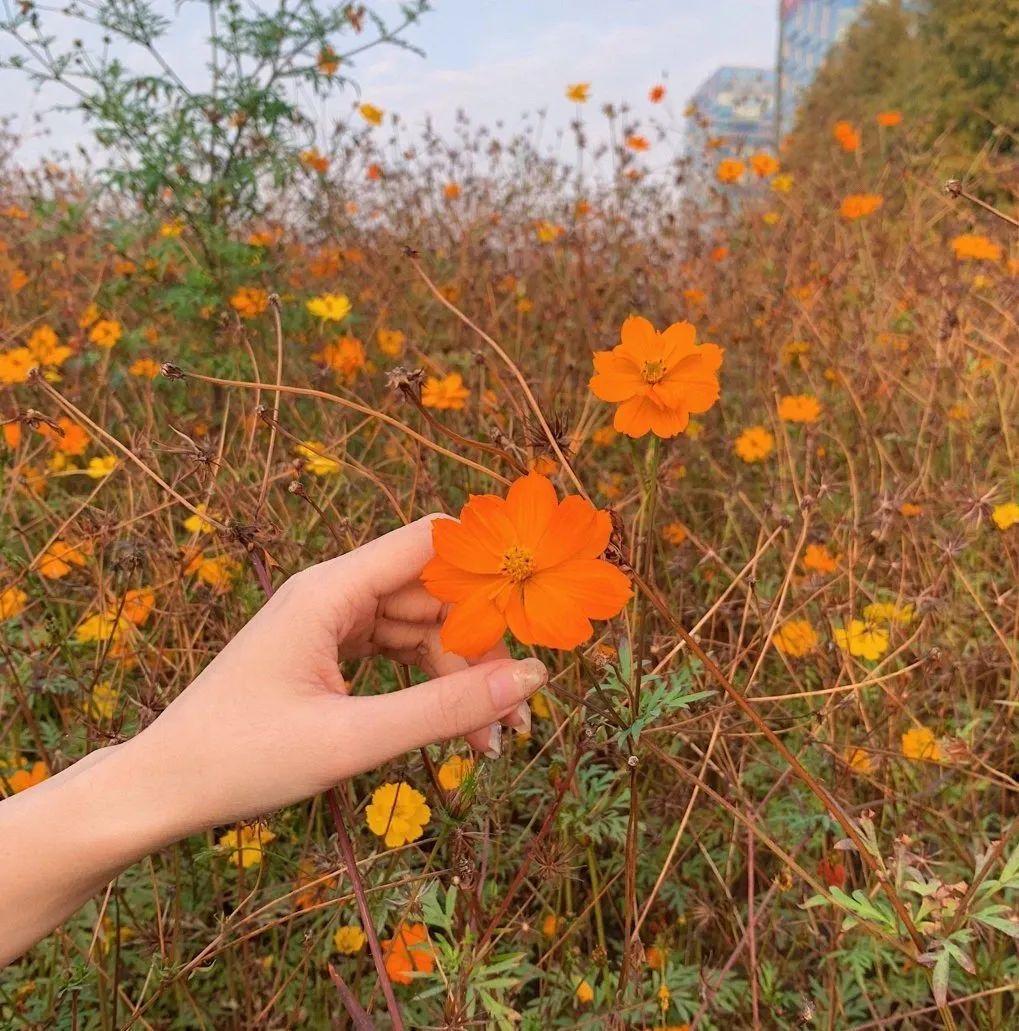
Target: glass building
column 808, row 29
column 731, row 113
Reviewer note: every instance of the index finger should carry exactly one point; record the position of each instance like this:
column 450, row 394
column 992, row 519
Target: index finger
column 387, row 563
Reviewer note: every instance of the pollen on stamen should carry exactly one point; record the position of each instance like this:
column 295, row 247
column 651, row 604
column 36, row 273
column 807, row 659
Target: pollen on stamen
column 652, row 372
column 517, row 563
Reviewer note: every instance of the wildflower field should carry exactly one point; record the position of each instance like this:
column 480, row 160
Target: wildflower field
column 732, row 446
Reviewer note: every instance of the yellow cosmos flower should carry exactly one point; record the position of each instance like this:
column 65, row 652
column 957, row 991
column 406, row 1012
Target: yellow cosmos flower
column 920, row 743
column 454, row 771
column 196, row 524
column 105, row 333
column 12, row 602
column 102, row 627
column 1005, row 516
column 397, row 813
column 245, row 843
column 219, row 571
column 391, row 342
column 144, row 368
column 863, row 639
column 796, row 638
column 349, row 939
column 858, row 760
column 103, row 703
column 317, row 463
column 371, row 114
column 330, row 307
column 45, row 347
column 97, row 468
column 15, row 365
column 584, row 993
column 888, row 612
column 579, row 92
column 754, row 444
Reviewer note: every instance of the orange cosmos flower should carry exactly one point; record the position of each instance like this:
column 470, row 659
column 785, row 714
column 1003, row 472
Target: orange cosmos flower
column 857, row 205
column 445, row 394
column 970, row 246
column 637, row 142
column 799, row 408
column 658, row 379
column 847, row 135
column 656, row 94
column 314, row 160
column 69, row 438
column 105, row 333
column 527, row 562
column 763, row 164
column 249, row 301
column 889, row 119
column 328, row 61
column 579, row 92
column 730, row 170
column 407, row 952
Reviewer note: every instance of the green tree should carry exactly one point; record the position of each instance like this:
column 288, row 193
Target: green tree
column 203, row 152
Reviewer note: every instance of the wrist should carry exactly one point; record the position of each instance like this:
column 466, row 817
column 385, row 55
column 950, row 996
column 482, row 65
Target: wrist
column 121, row 799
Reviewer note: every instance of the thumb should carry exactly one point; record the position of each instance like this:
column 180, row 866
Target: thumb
column 444, row 708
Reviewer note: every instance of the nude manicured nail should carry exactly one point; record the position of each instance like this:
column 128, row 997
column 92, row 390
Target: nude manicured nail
column 494, row 749
column 514, row 682
column 520, row 718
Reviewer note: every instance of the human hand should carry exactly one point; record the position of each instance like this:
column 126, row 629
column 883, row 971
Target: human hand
column 271, row 720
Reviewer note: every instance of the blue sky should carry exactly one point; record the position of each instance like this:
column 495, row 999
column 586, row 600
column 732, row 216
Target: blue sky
column 496, row 59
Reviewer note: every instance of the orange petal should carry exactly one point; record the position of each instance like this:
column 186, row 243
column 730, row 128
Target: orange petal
column 542, row 614
column 458, row 545
column 679, row 340
column 451, row 583
column 639, row 340
column 596, row 587
column 530, row 505
column 472, row 627
column 577, row 530
column 616, row 377
column 486, row 517
column 633, row 417
column 692, row 383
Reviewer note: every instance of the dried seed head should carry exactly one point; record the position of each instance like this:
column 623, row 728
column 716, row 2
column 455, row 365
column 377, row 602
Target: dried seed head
column 171, row 371
column 407, row 381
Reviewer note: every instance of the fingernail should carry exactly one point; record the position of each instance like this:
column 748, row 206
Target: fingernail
column 494, row 749
column 511, row 684
column 519, row 719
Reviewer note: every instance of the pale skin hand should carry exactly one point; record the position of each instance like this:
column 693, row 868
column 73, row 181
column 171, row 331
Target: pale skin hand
column 269, row 722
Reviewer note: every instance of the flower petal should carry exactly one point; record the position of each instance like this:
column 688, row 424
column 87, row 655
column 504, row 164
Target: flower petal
column 542, row 614
column 472, row 627
column 530, row 505
column 459, row 545
column 640, row 340
column 576, row 530
column 486, row 517
column 641, row 415
column 596, row 588
column 452, row 583
column 616, row 377
column 679, row 340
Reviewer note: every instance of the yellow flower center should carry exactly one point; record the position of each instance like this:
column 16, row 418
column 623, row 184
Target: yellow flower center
column 652, row 372
column 517, row 563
